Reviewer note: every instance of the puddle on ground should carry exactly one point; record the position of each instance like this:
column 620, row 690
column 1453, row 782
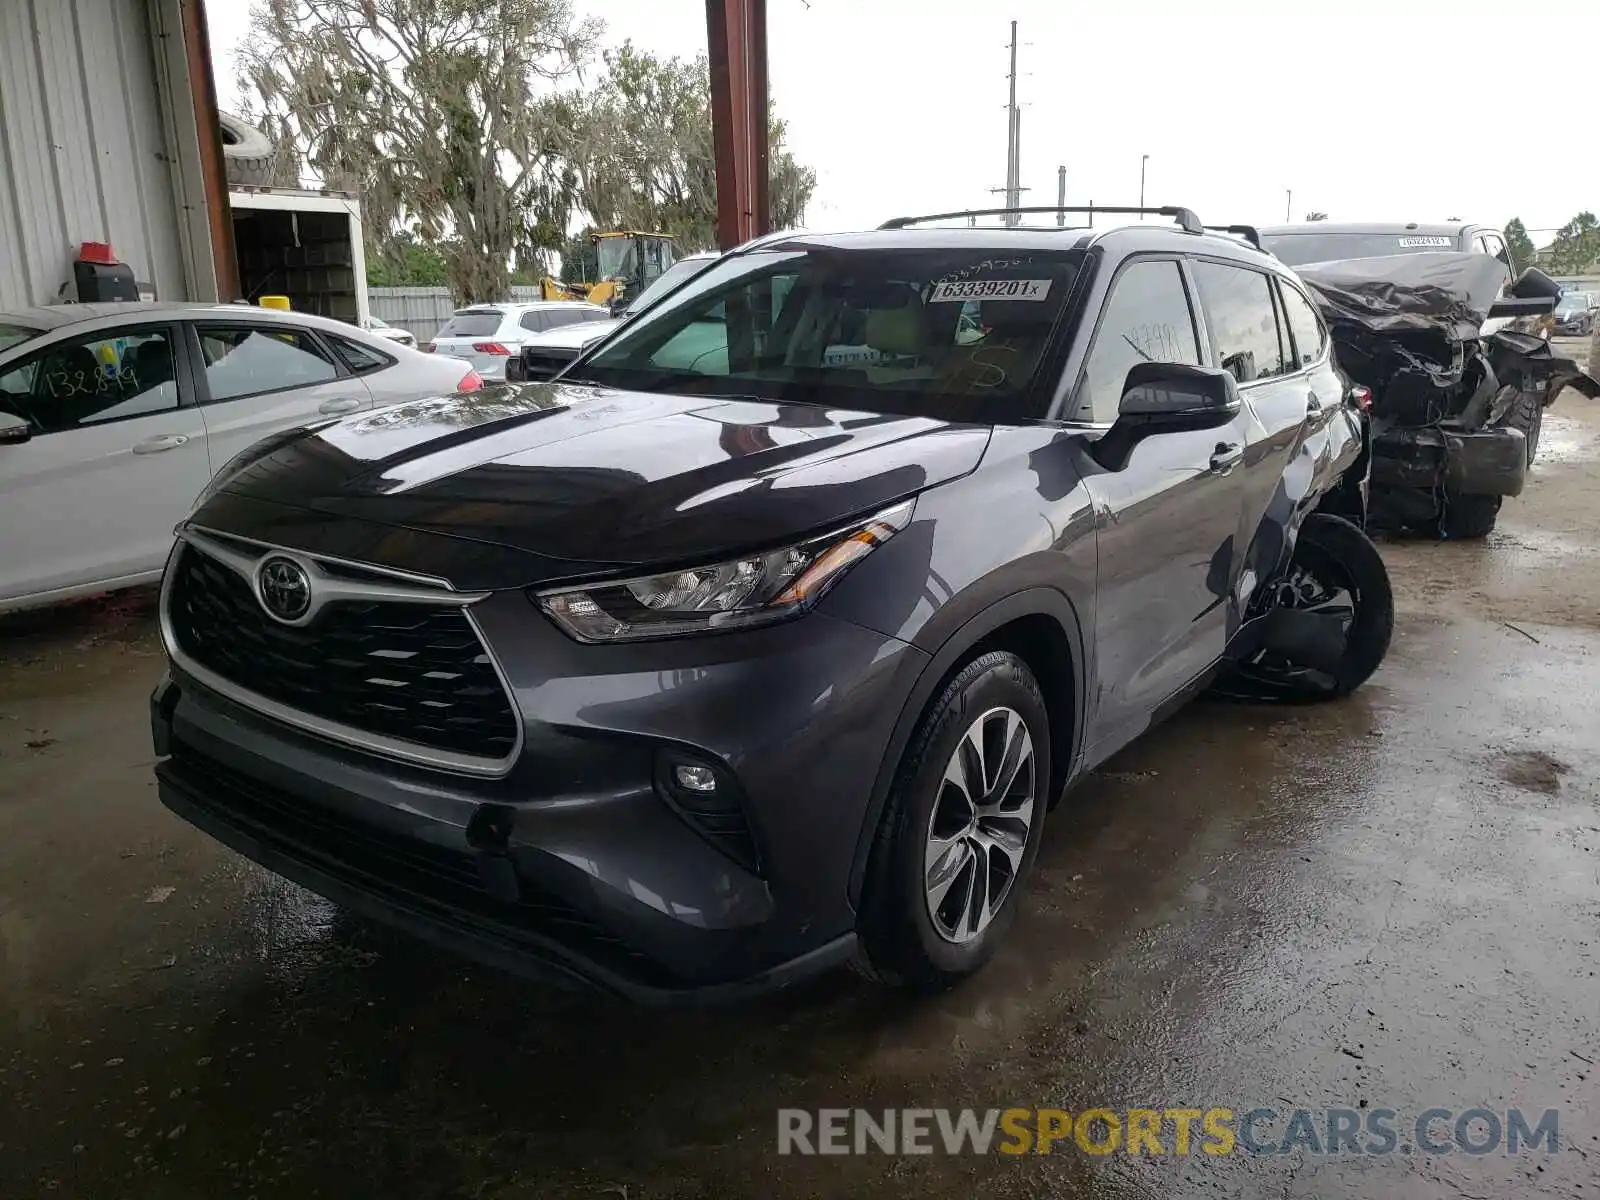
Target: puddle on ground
column 1564, row 440
column 1531, row 770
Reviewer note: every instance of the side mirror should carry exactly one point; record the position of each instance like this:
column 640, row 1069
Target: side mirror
column 14, row 430
column 1522, row 306
column 1534, row 284
column 1166, row 398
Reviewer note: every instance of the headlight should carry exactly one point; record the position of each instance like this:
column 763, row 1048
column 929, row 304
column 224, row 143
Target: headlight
column 757, row 590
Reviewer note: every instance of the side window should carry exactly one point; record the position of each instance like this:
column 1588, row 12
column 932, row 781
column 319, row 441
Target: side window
column 700, row 346
column 1146, row 319
column 246, row 360
column 1243, row 320
column 555, row 318
column 533, row 321
column 90, row 381
column 358, row 358
column 733, row 331
column 1494, row 244
column 1310, row 335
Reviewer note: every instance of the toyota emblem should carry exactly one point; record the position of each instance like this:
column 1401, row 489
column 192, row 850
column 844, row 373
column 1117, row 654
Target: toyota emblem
column 285, row 588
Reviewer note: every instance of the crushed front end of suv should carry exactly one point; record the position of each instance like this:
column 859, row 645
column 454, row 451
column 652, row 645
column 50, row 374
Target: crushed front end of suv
column 767, row 636
column 1458, row 395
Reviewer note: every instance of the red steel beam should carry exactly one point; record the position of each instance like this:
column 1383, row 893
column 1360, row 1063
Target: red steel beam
column 213, row 170
column 737, row 39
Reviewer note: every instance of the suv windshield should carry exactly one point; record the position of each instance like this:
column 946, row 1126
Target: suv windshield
column 14, row 335
column 1573, row 302
column 959, row 334
column 1297, row 248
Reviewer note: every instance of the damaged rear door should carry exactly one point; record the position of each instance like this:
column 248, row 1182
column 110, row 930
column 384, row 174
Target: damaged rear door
column 1286, row 398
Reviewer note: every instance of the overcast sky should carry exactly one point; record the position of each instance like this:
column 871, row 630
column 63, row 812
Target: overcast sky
column 1370, row 109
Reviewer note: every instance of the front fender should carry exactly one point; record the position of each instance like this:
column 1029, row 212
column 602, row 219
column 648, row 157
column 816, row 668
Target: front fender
column 1041, row 601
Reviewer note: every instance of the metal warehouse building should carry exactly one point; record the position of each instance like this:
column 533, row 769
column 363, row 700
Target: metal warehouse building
column 108, row 133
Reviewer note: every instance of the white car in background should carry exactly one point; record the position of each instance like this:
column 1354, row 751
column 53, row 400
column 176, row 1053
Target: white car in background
column 389, row 332
column 544, row 354
column 113, row 418
column 486, row 335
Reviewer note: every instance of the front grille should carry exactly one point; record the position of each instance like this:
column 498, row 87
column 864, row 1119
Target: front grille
column 545, row 362
column 414, row 672
column 391, row 861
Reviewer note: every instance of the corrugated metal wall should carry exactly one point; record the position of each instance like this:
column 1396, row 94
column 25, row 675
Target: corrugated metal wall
column 421, row 310
column 82, row 147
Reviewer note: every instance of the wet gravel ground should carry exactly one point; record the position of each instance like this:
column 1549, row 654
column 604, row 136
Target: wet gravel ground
column 1392, row 901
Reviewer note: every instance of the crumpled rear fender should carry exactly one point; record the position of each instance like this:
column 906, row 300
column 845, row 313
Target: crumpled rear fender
column 1521, row 354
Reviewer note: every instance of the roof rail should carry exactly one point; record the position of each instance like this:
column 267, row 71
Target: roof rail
column 1248, row 232
column 1183, row 216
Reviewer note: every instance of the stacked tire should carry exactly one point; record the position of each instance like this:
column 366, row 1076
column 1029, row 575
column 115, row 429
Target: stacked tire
column 248, row 154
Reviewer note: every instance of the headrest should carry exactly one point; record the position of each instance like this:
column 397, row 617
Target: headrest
column 895, row 330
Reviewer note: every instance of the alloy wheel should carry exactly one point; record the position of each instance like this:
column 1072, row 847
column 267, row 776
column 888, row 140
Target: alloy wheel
column 978, row 830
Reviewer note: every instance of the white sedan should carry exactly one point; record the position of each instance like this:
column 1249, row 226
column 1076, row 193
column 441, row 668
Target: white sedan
column 388, row 332
column 113, row 417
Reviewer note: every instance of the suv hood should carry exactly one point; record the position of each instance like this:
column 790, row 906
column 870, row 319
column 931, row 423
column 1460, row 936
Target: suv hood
column 572, row 337
column 1445, row 292
column 579, row 478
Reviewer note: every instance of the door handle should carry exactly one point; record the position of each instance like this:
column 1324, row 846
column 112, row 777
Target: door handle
column 162, row 441
column 1226, row 456
column 335, row 407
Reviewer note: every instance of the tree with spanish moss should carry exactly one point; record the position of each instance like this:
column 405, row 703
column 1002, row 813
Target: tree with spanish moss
column 644, row 158
column 445, row 115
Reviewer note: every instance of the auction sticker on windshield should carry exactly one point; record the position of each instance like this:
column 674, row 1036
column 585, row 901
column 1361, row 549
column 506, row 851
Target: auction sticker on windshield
column 1426, row 241
column 991, row 289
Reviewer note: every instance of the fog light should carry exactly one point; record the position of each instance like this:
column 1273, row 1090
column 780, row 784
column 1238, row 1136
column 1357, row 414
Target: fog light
column 694, row 779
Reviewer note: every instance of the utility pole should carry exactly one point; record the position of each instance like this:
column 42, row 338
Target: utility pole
column 1143, row 158
column 1013, row 138
column 1061, row 194
column 1288, row 202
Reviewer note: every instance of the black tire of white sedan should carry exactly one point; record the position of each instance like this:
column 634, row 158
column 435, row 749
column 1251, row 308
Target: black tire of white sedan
column 1335, row 570
column 960, row 830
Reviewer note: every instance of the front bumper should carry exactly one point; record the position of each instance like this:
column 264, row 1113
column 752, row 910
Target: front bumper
column 1492, row 462
column 577, row 865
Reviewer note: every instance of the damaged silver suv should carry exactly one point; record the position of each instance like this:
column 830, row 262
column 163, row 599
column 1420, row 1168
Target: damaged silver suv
column 1424, row 316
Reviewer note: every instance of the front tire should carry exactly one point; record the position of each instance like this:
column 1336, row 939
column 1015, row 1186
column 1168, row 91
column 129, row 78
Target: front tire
column 1335, row 569
column 960, row 831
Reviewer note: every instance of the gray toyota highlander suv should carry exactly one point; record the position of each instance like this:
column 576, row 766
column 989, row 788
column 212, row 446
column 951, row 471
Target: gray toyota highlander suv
column 766, row 637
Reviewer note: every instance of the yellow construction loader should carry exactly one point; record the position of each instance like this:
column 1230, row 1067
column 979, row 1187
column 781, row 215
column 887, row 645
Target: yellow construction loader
column 629, row 262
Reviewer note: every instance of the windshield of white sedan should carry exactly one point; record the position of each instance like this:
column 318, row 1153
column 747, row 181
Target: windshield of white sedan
column 14, row 335
column 962, row 334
